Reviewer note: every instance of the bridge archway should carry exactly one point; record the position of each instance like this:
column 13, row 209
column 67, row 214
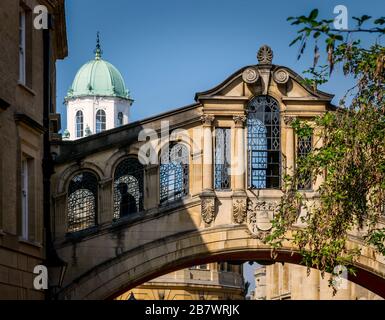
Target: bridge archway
column 229, row 243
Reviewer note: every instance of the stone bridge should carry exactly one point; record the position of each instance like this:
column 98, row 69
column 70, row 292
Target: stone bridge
column 123, row 216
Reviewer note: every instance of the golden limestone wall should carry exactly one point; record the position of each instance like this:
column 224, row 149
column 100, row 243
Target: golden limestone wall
column 21, row 146
column 291, row 282
column 215, row 281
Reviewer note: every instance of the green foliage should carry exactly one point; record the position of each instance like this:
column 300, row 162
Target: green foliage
column 350, row 157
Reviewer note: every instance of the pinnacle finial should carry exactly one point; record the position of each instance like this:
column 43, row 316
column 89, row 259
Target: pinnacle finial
column 265, row 55
column 98, row 51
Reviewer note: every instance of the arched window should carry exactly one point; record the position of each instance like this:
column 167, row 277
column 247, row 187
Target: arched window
column 174, row 173
column 120, row 118
column 128, row 188
column 79, row 124
column 264, row 143
column 100, row 121
column 82, row 202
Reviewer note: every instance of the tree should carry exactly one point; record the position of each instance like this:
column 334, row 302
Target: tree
column 352, row 156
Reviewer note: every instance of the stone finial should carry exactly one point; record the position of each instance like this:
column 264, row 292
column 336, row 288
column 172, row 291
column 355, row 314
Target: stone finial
column 265, row 55
column 98, row 50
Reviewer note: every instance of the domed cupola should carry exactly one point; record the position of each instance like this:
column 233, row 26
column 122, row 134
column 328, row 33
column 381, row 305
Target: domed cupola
column 97, row 100
column 100, row 78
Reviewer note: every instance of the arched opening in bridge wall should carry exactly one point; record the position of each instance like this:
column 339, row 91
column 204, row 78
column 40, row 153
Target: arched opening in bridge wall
column 184, row 250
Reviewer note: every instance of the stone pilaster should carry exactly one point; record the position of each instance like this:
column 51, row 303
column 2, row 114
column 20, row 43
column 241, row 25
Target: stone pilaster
column 60, row 215
column 208, row 181
column 208, row 199
column 290, row 145
column 239, row 206
column 106, row 206
column 239, row 156
column 151, row 190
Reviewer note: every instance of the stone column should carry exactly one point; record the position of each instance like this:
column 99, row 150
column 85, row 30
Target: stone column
column 239, row 155
column 208, row 185
column 290, row 145
column 313, row 290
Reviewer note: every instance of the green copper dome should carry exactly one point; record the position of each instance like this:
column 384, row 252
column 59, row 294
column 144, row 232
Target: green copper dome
column 98, row 78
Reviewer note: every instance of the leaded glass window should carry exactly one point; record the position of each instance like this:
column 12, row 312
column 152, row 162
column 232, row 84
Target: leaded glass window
column 100, row 121
column 222, row 158
column 82, row 202
column 79, row 124
column 174, row 173
column 304, row 147
column 264, row 143
column 128, row 188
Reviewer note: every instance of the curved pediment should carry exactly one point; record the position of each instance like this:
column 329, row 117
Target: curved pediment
column 261, row 79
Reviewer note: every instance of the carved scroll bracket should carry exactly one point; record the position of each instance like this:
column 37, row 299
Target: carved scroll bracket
column 208, row 207
column 239, row 209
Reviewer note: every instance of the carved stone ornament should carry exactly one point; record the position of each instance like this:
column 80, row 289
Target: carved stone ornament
column 240, row 121
column 250, row 75
column 289, row 120
column 208, row 210
column 265, row 55
column 281, row 76
column 239, row 210
column 207, row 119
column 259, row 218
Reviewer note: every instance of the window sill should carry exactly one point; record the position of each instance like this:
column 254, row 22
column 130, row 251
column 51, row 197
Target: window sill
column 26, row 88
column 30, row 243
column 76, row 235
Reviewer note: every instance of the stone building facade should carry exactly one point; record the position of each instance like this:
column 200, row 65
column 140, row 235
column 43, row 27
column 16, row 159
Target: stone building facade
column 27, row 89
column 115, row 193
column 214, row 281
column 292, row 282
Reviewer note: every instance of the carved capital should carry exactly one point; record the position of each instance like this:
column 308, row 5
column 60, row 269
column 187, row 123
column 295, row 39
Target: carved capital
column 240, row 121
column 207, row 120
column 208, row 209
column 289, row 120
column 281, row 76
column 250, row 75
column 239, row 210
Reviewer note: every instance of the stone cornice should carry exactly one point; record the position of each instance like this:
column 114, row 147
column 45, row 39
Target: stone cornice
column 29, row 122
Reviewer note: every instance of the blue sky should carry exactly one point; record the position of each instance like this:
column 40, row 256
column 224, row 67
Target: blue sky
column 170, row 49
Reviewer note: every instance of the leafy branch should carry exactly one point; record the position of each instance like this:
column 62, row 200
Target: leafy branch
column 351, row 159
